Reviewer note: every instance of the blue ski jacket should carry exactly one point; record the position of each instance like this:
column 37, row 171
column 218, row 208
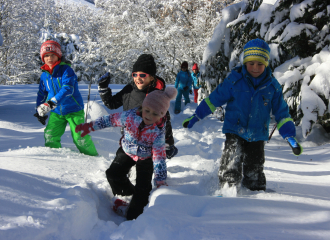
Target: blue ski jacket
column 62, row 85
column 195, row 80
column 183, row 79
column 250, row 103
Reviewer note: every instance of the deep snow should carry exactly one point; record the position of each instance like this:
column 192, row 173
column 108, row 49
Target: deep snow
column 62, row 194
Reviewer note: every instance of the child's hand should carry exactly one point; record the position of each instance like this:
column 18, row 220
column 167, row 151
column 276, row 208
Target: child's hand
column 189, row 122
column 161, row 183
column 295, row 146
column 45, row 108
column 85, row 128
column 104, row 80
column 171, row 151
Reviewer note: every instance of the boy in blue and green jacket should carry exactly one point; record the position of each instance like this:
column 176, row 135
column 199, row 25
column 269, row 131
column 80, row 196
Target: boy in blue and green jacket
column 251, row 93
column 58, row 94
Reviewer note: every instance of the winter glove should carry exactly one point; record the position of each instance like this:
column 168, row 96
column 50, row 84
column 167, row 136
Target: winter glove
column 204, row 108
column 85, row 128
column 190, row 91
column 297, row 149
column 104, row 80
column 45, row 108
column 189, row 122
column 186, row 88
column 171, row 151
column 41, row 119
column 160, row 183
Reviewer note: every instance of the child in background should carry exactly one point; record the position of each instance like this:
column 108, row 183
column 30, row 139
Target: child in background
column 251, row 93
column 183, row 83
column 195, row 75
column 143, row 145
column 133, row 94
column 59, row 94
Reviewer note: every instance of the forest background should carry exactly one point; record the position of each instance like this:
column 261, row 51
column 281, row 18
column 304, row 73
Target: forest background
column 109, row 35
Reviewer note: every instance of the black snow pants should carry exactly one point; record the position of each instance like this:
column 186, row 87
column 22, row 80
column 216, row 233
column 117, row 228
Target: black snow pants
column 121, row 185
column 242, row 162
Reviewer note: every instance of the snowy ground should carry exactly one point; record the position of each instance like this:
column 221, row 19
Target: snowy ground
column 62, row 194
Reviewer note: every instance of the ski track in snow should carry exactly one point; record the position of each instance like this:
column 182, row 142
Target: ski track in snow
column 62, row 194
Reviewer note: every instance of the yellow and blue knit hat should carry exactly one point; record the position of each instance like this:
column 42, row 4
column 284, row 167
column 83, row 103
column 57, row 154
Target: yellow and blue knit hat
column 256, row 50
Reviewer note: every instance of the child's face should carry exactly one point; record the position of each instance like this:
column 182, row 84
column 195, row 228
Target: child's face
column 195, row 71
column 142, row 82
column 255, row 68
column 149, row 116
column 50, row 59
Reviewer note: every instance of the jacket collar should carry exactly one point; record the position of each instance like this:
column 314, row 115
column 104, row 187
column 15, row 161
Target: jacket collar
column 263, row 80
column 46, row 68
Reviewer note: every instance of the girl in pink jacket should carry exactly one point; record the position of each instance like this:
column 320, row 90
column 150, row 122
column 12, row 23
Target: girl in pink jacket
column 143, row 145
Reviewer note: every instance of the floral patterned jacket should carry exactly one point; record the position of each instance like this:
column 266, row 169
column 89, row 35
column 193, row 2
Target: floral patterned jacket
column 140, row 141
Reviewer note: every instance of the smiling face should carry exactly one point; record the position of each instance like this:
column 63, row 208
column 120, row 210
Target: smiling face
column 255, row 68
column 50, row 59
column 149, row 116
column 142, row 82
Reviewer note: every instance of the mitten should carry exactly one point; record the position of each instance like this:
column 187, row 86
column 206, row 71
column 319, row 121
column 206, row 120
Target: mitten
column 189, row 122
column 190, row 91
column 171, row 151
column 85, row 128
column 104, row 81
column 41, row 119
column 45, row 108
column 295, row 146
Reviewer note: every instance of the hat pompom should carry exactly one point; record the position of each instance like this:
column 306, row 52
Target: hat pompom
column 171, row 92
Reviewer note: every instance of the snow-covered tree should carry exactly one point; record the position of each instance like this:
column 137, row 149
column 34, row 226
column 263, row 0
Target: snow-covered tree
column 20, row 27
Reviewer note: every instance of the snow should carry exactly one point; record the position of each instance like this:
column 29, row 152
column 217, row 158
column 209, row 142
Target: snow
column 62, row 194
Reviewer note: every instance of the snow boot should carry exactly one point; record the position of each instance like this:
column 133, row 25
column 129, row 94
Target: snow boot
column 120, row 207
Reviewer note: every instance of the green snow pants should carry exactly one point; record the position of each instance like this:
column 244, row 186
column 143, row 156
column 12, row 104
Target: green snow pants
column 56, row 128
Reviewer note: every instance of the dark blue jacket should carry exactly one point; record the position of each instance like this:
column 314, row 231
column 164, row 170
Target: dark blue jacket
column 250, row 103
column 62, row 85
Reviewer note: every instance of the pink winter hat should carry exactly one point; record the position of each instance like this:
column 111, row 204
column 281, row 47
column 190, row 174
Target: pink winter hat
column 50, row 47
column 159, row 101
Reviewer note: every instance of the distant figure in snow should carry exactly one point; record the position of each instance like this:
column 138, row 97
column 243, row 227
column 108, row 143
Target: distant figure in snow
column 251, row 93
column 143, row 145
column 59, row 94
column 195, row 76
column 144, row 81
column 183, row 83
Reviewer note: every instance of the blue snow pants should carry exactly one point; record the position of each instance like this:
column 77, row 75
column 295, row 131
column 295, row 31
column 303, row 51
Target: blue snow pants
column 185, row 94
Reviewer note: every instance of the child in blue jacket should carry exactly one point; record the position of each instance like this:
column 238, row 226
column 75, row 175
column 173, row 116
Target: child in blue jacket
column 59, row 94
column 183, row 84
column 251, row 93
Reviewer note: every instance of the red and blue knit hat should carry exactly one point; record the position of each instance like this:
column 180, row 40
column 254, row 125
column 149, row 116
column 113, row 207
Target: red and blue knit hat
column 256, row 50
column 50, row 47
